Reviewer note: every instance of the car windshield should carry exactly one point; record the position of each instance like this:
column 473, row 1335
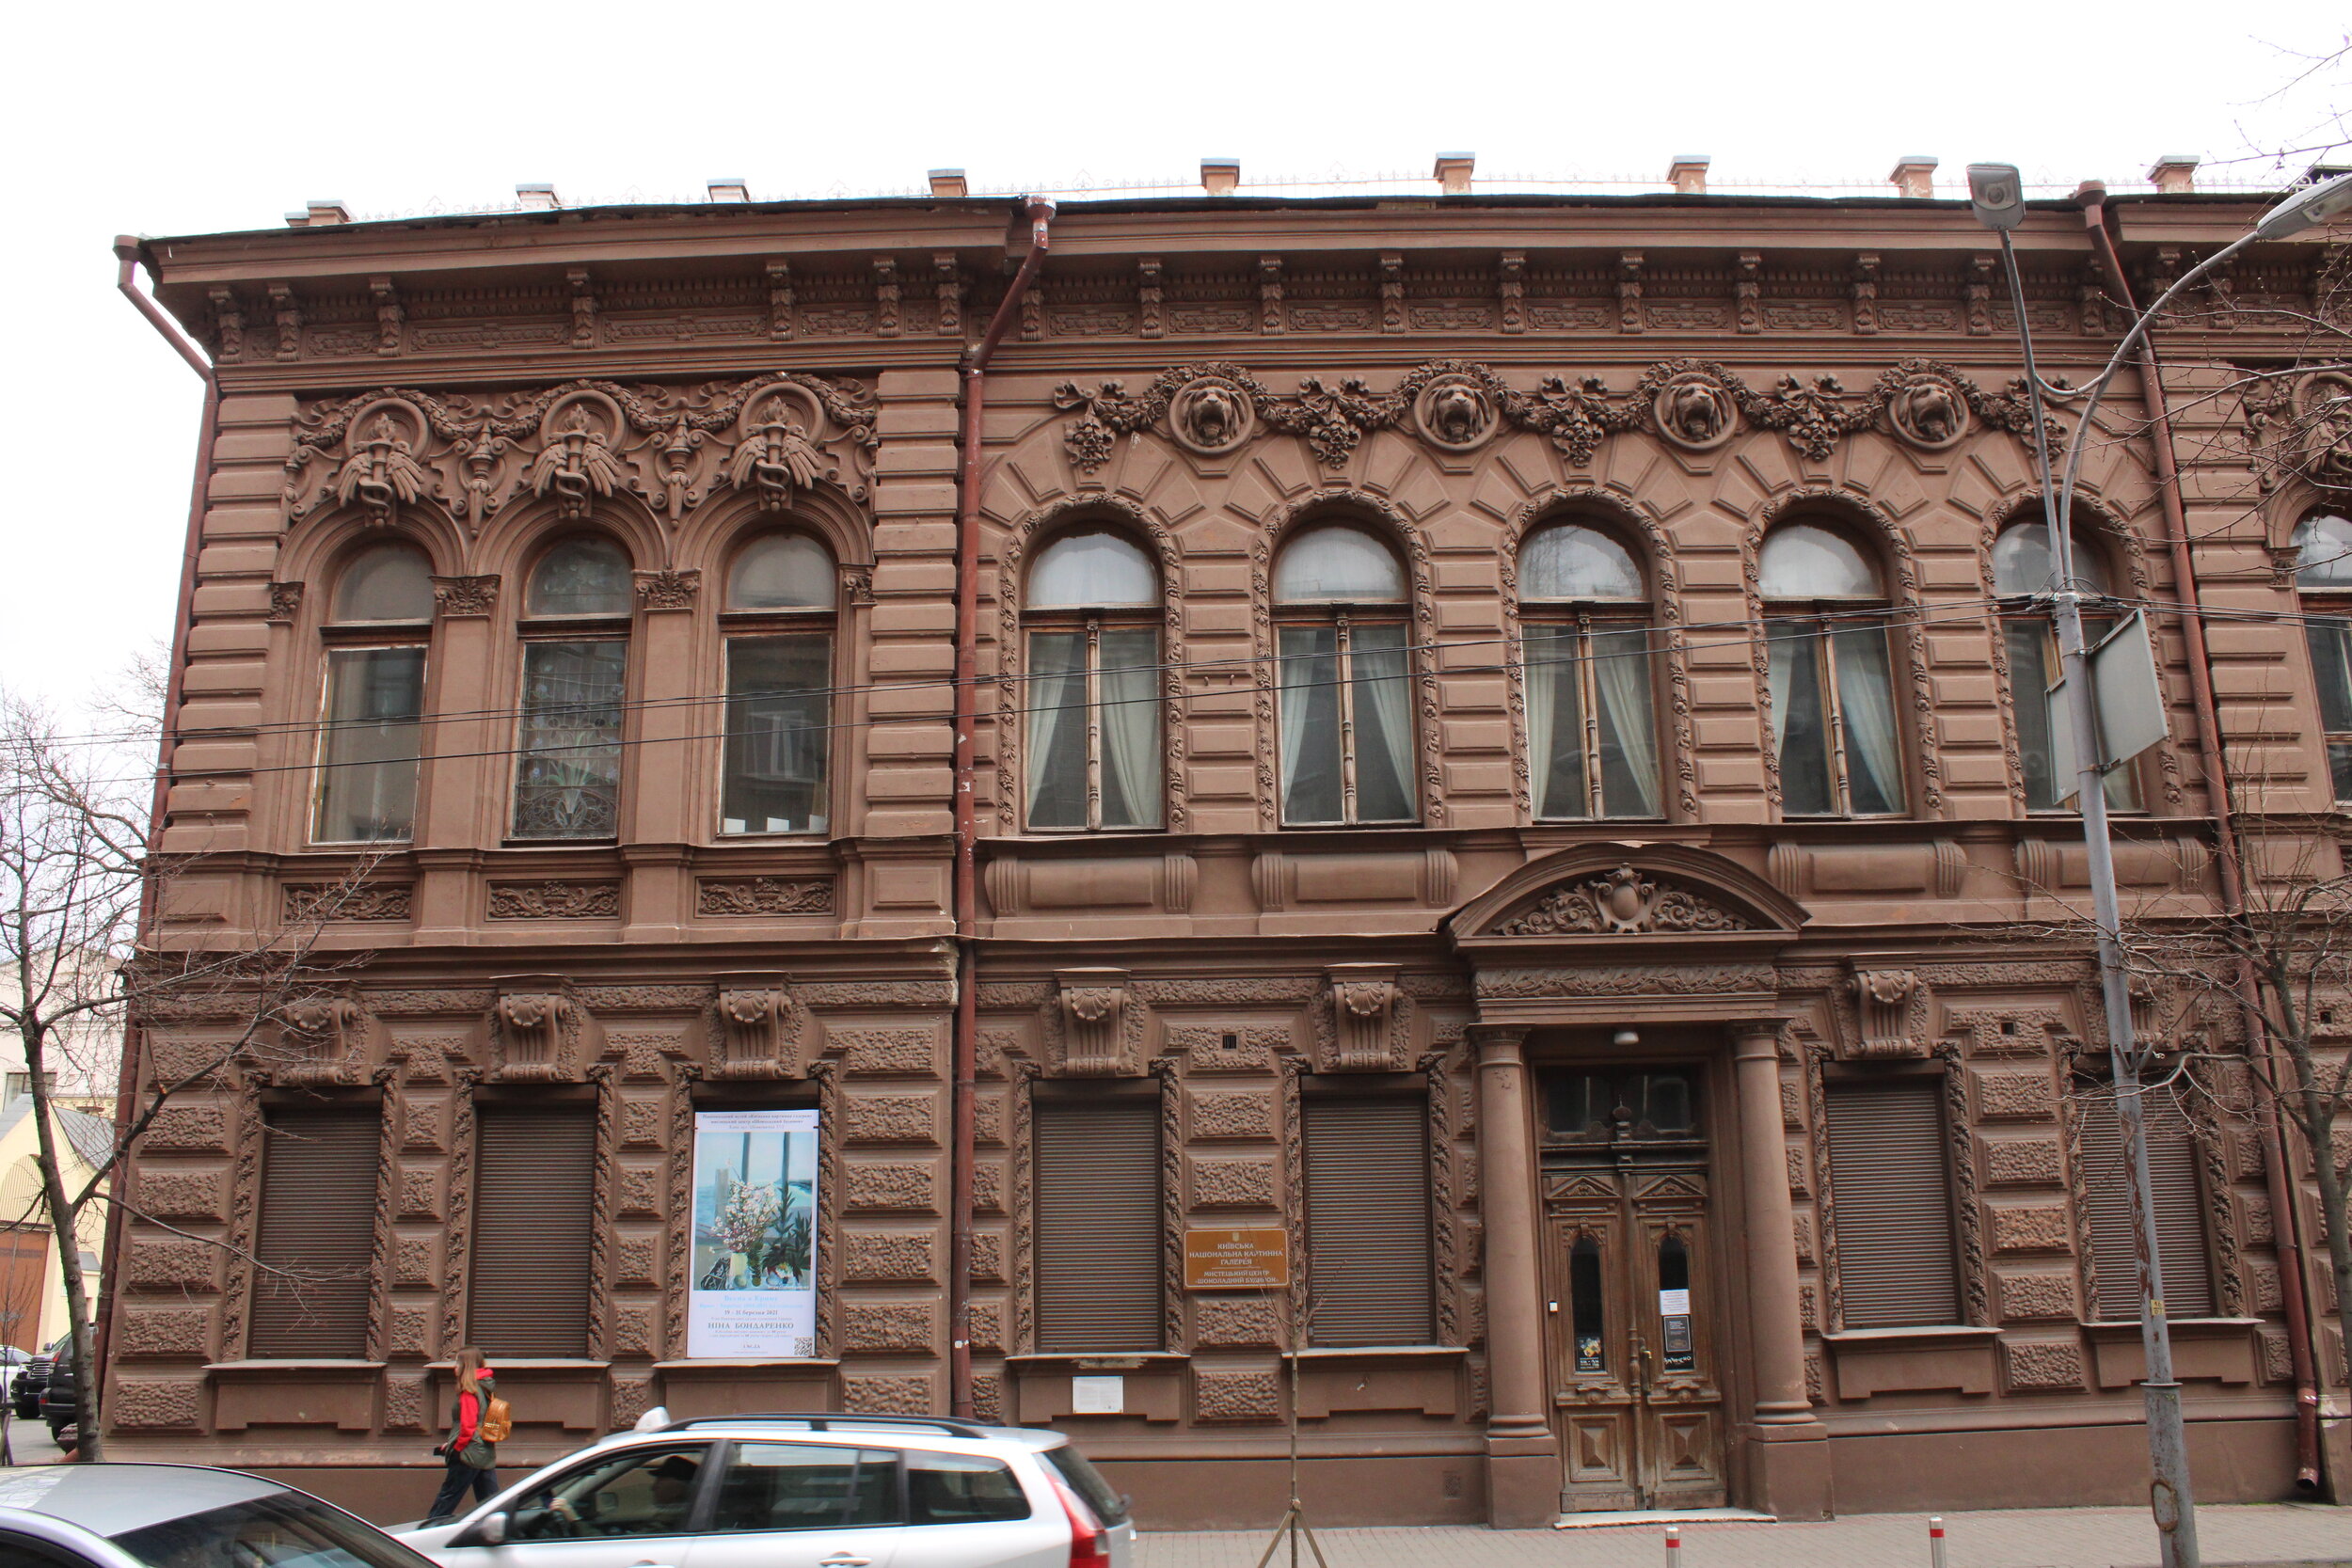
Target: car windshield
column 284, row 1530
column 1087, row 1482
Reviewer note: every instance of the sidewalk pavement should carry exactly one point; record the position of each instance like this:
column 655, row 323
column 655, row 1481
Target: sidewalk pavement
column 29, row 1444
column 2275, row 1533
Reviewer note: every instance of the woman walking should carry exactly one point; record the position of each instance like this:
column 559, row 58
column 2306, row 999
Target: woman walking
column 471, row 1456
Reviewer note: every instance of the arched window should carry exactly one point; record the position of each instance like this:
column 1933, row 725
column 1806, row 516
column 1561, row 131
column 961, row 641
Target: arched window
column 575, row 630
column 1091, row 607
column 1830, row 681
column 2323, row 545
column 781, row 598
column 2025, row 574
column 372, row 730
column 1346, row 708
column 1585, row 645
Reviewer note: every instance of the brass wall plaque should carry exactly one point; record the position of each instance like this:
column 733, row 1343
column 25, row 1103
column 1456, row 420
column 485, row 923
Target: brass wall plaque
column 1242, row 1259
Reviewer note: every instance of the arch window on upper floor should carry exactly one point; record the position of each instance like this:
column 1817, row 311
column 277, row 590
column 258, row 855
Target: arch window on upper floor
column 1092, row 613
column 2323, row 577
column 1585, row 643
column 2025, row 574
column 372, row 718
column 782, row 599
column 575, row 677
column 1830, row 675
column 1341, row 661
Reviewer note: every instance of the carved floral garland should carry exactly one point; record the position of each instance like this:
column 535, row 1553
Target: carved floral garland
column 1216, row 406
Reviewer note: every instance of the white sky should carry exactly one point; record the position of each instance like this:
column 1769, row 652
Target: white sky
column 162, row 119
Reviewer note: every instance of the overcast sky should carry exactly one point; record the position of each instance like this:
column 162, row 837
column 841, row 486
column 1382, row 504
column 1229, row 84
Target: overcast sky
column 170, row 119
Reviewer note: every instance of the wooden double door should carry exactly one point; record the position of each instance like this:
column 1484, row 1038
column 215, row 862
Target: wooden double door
column 1635, row 1317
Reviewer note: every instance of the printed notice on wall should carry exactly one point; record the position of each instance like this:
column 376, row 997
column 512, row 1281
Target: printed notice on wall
column 1098, row 1396
column 754, row 1253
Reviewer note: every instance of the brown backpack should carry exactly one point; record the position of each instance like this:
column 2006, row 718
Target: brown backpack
column 497, row 1420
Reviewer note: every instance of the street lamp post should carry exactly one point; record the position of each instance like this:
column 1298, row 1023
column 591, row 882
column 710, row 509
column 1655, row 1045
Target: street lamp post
column 1997, row 194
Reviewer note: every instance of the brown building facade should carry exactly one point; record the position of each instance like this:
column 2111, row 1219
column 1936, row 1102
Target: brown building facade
column 1512, row 794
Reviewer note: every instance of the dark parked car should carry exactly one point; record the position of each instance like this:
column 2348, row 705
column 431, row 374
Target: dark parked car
column 60, row 1402
column 34, row 1377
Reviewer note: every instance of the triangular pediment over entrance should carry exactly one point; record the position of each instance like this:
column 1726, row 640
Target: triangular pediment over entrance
column 1620, row 929
column 1654, row 894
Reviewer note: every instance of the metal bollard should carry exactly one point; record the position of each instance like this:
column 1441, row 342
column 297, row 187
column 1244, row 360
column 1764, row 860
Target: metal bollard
column 1935, row 1540
column 1674, row 1546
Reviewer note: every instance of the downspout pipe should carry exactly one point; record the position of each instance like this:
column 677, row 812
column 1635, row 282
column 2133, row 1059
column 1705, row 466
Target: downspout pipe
column 963, row 1160
column 2285, row 1220
column 129, row 253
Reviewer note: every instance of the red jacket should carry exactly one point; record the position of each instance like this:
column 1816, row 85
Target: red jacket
column 469, row 1411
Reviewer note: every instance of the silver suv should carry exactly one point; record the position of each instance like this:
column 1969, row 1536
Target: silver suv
column 800, row 1492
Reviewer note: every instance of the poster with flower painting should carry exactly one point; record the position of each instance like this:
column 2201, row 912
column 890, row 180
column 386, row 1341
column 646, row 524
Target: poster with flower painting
column 754, row 1252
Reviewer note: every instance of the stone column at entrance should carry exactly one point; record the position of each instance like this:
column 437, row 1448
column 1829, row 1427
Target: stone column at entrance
column 1787, row 1446
column 1523, row 1458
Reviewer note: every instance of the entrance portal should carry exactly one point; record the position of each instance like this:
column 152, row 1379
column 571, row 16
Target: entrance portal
column 1631, row 1300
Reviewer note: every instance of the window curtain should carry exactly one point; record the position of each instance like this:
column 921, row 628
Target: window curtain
column 1057, row 742
column 1311, row 723
column 2331, row 661
column 567, row 780
column 368, row 756
column 1131, row 729
column 2029, row 694
column 1555, row 737
column 1866, row 696
column 1800, row 730
column 1629, row 743
column 1384, row 739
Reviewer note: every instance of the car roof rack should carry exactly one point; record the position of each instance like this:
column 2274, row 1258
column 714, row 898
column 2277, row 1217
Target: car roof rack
column 826, row 1421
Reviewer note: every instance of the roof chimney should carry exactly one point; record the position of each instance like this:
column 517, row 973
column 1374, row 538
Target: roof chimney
column 947, row 184
column 1688, row 173
column 2174, row 174
column 728, row 190
column 539, row 198
column 1452, row 173
column 1915, row 176
column 1218, row 176
column 319, row 212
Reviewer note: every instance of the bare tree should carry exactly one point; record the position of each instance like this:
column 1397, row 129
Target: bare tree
column 79, row 958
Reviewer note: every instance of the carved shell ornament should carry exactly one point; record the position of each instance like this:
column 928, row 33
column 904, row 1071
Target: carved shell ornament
column 1625, row 903
column 1455, row 413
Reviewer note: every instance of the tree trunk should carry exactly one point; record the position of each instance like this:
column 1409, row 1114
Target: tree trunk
column 63, row 1212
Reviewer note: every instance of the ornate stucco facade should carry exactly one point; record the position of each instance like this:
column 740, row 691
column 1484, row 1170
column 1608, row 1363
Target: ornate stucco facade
column 1211, row 380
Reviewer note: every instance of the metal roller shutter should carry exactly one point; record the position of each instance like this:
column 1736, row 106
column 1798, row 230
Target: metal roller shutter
column 533, row 1207
column 1097, row 1226
column 317, row 1224
column 1894, row 1207
column 2180, row 1212
column 1368, row 1222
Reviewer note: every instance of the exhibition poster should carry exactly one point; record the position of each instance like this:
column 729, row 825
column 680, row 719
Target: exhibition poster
column 754, row 1253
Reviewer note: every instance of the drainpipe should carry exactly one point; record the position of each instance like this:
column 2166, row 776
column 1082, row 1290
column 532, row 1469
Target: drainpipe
column 2285, row 1220
column 128, row 252
column 962, row 1159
